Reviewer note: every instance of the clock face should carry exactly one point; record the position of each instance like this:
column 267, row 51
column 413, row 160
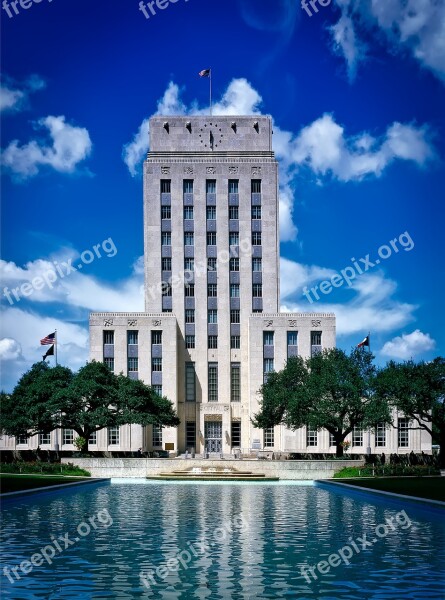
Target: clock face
column 211, row 136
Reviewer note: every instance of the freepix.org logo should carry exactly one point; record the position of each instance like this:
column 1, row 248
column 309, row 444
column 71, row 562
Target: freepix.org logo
column 11, row 8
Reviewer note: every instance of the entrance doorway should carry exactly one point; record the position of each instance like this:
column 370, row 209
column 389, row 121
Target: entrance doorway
column 213, row 436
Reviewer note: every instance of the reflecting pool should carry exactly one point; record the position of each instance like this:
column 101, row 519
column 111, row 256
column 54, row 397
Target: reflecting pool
column 138, row 539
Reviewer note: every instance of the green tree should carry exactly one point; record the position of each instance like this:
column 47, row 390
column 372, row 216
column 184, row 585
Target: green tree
column 331, row 390
column 86, row 402
column 418, row 391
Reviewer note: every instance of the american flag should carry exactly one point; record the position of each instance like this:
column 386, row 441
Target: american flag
column 205, row 73
column 49, row 339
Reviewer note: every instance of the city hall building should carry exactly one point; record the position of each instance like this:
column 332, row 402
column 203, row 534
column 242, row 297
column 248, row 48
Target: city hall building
column 212, row 330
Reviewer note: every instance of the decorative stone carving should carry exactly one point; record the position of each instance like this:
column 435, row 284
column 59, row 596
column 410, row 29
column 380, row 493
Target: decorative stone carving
column 108, row 322
column 165, row 170
column 268, row 323
column 292, row 323
column 211, row 170
column 132, row 322
column 233, row 170
column 156, row 322
column 256, row 171
column 316, row 323
column 188, row 170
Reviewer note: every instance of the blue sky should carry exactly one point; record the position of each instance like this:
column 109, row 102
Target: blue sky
column 356, row 92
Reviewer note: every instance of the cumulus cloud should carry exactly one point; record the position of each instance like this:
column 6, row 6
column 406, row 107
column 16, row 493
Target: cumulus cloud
column 69, row 145
column 408, row 345
column 14, row 96
column 322, row 146
column 413, row 26
column 10, row 349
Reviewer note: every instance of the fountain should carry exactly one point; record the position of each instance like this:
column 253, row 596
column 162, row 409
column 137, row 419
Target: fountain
column 212, row 474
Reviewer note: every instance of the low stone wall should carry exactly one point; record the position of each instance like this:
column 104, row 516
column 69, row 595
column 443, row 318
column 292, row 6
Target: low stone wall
column 141, row 467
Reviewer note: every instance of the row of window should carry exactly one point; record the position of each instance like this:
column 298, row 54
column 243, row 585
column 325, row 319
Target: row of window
column 212, row 395
column 189, row 215
column 189, row 238
column 132, row 337
column 233, row 186
column 212, row 264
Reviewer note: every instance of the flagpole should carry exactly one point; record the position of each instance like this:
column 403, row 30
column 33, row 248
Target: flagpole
column 210, row 92
column 55, row 331
column 368, row 449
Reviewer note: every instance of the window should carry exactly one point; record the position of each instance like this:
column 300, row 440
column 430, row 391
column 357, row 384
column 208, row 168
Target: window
column 357, row 436
column 257, row 290
column 257, row 265
column 212, row 316
column 256, row 238
column 403, row 432
column 233, row 213
column 166, row 238
column 188, row 212
column 189, row 264
column 166, row 289
column 380, row 435
column 212, row 290
column 156, row 338
column 211, row 238
column 189, row 315
column 235, row 342
column 268, row 338
column 190, row 434
column 235, row 382
column 311, row 436
column 188, row 186
column 235, row 434
column 213, row 382
column 157, row 388
column 211, row 264
column 109, row 362
column 233, row 186
column 113, row 436
column 190, row 382
column 233, row 238
column 133, row 363
column 234, row 264
column 331, row 440
column 211, row 213
column 189, row 290
column 213, row 342
column 132, row 337
column 108, row 337
column 68, row 436
column 166, row 264
column 268, row 367
column 157, row 436
column 156, row 364
column 292, row 338
column 189, row 238
column 269, row 437
column 44, row 438
column 256, row 186
column 235, row 316
column 256, row 212
column 166, row 186
column 211, row 186
column 93, row 438
column 316, row 338
column 190, row 341
column 166, row 212
column 234, row 290
column 22, row 440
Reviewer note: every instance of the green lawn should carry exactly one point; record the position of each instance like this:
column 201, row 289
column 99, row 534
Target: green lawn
column 17, row 483
column 432, row 488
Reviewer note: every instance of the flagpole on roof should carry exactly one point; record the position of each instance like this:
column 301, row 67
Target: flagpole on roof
column 55, row 345
column 210, row 77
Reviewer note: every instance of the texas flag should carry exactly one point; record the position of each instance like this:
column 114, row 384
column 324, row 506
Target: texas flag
column 364, row 343
column 205, row 73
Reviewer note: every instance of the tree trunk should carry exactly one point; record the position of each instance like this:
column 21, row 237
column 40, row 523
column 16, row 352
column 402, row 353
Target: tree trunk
column 84, row 447
column 339, row 450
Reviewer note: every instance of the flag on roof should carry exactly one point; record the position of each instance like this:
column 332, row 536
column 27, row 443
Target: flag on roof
column 364, row 343
column 48, row 340
column 205, row 73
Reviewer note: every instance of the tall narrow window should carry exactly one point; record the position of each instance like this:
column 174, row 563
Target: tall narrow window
column 157, row 388
column 211, row 186
column 188, row 186
column 157, row 436
column 234, row 238
column 190, row 342
column 113, row 436
column 212, row 316
column 234, row 290
column 190, row 382
column 256, row 238
column 212, row 342
column 380, row 435
column 132, row 337
column 234, row 264
column 189, row 264
column 166, row 238
column 213, row 382
column 166, row 212
column 189, row 238
column 166, row 186
column 156, row 364
column 256, row 186
column 211, row 213
column 268, row 338
column 257, row 265
column 188, row 213
column 315, row 342
column 211, row 264
column 189, row 290
column 166, row 264
column 311, row 436
column 156, row 338
column 212, row 290
column 235, row 382
column 268, row 367
column 257, row 290
column 403, row 432
column 256, row 212
column 235, row 316
column 108, row 337
column 190, row 315
column 292, row 338
column 109, row 362
column 235, row 434
column 233, row 186
column 235, row 342
column 190, row 435
column 357, row 436
column 133, row 364
column 68, row 436
column 269, row 437
column 211, row 238
column 233, row 213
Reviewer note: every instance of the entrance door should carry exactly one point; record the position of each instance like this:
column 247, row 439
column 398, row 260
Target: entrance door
column 213, row 436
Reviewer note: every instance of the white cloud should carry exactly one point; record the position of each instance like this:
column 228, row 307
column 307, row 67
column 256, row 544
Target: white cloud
column 416, row 26
column 408, row 345
column 14, row 97
column 69, row 146
column 10, row 349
